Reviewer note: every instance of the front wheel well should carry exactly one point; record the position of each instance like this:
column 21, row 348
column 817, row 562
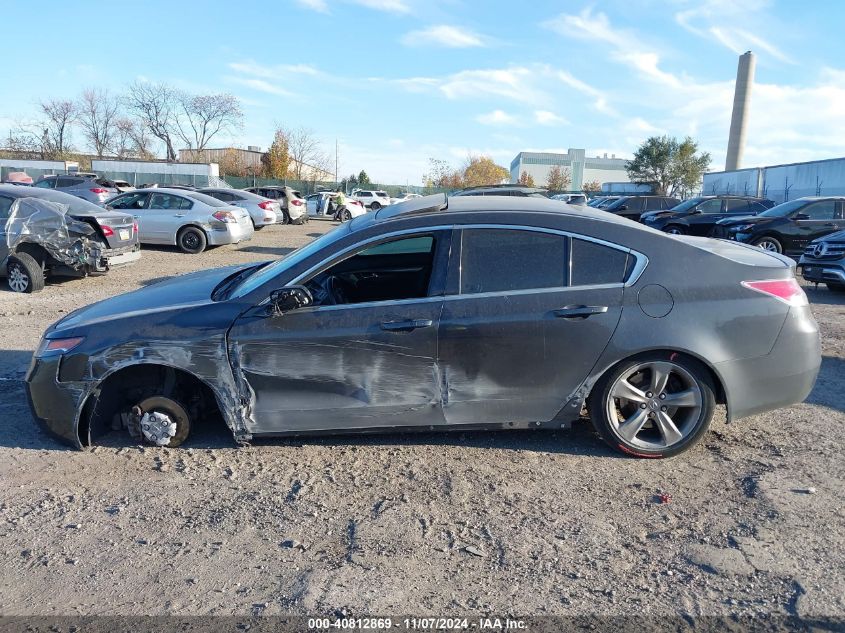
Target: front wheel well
column 125, row 388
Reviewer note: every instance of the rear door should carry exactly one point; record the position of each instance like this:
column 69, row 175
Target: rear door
column 529, row 313
column 164, row 216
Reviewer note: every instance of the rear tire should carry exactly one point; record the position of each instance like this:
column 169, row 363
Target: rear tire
column 346, row 215
column 836, row 287
column 24, row 273
column 769, row 244
column 375, row 206
column 631, row 407
column 674, row 229
column 191, row 240
column 285, row 217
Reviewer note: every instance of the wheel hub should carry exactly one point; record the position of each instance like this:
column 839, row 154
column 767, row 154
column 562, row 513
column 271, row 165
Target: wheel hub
column 18, row 280
column 158, row 427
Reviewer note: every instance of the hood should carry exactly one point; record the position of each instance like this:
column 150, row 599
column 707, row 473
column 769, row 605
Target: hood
column 659, row 215
column 839, row 236
column 745, row 219
column 192, row 289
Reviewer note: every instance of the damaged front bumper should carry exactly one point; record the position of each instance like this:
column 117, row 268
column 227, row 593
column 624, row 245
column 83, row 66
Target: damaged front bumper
column 54, row 405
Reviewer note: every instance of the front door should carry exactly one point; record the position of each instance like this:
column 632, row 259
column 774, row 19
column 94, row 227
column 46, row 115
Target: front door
column 815, row 220
column 363, row 356
column 532, row 313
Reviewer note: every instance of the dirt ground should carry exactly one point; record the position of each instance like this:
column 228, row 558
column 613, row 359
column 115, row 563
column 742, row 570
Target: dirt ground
column 524, row 523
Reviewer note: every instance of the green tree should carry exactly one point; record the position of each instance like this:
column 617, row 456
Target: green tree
column 363, row 179
column 673, row 167
column 559, row 178
column 526, row 179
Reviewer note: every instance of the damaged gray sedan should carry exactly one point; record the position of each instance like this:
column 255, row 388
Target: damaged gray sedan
column 466, row 313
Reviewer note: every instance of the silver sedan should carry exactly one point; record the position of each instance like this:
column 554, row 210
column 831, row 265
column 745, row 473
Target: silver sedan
column 263, row 211
column 187, row 219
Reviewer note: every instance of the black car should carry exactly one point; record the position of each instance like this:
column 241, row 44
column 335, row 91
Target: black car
column 632, row 207
column 823, row 261
column 789, row 227
column 698, row 216
column 519, row 191
column 50, row 233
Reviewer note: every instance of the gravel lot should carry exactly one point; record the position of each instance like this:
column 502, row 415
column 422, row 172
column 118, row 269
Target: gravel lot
column 435, row 524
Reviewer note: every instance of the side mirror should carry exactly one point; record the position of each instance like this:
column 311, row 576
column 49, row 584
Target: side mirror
column 624, row 207
column 802, row 216
column 291, row 298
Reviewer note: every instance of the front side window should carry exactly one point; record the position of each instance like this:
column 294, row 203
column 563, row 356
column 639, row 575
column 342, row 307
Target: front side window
column 710, row 206
column 391, row 271
column 46, row 184
column 68, row 182
column 501, row 260
column 824, row 210
column 5, row 210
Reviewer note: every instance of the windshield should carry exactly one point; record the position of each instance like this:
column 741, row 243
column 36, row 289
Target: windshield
column 267, row 273
column 686, row 205
column 782, row 210
column 616, row 204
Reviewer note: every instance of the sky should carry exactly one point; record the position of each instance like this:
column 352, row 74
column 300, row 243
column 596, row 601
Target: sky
column 395, row 82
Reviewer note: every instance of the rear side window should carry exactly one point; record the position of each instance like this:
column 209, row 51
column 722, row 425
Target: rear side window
column 68, row 182
column 736, row 204
column 653, row 204
column 594, row 264
column 497, row 260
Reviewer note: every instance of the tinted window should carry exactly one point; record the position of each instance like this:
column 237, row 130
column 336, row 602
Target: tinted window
column 46, row 184
column 365, row 194
column 736, row 204
column 597, row 264
column 168, row 201
column 756, row 207
column 495, row 260
column 129, row 201
column 67, row 182
column 632, row 204
column 5, row 206
column 710, row 206
column 220, row 195
column 652, row 204
column 824, row 210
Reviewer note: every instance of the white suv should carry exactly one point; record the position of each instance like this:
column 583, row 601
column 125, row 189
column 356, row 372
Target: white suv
column 373, row 200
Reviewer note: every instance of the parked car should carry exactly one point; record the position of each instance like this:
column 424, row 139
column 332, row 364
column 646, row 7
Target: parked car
column 571, row 198
column 789, row 227
column 49, row 233
column 632, row 207
column 365, row 328
column 156, row 185
column 519, row 191
column 327, row 209
column 371, row 199
column 188, row 219
column 699, row 216
column 86, row 186
column 823, row 261
column 404, row 197
column 602, row 201
column 290, row 200
column 18, row 178
column 263, row 211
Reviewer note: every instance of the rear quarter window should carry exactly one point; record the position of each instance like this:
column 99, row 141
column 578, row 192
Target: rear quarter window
column 595, row 264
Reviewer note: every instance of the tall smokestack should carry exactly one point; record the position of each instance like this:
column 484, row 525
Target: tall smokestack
column 742, row 97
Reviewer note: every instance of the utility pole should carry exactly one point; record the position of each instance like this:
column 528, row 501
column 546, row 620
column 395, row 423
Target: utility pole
column 336, row 181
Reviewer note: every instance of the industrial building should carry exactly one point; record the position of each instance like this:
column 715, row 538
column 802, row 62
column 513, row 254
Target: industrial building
column 781, row 182
column 582, row 168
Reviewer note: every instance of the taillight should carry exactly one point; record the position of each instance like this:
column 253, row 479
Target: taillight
column 225, row 216
column 107, row 230
column 266, row 205
column 786, row 290
column 296, row 203
column 135, row 226
column 99, row 190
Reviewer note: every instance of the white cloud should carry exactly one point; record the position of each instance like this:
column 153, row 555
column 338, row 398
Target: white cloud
column 262, row 86
column 496, row 117
column 517, row 83
column 443, row 35
column 544, row 117
column 272, row 72
column 315, row 5
column 391, row 6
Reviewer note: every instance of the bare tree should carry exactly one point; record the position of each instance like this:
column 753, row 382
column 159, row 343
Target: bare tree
column 97, row 112
column 53, row 129
column 156, row 105
column 202, row 117
column 305, row 152
column 131, row 140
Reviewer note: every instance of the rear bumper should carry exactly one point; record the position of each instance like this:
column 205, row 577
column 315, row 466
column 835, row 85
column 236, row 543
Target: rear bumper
column 226, row 233
column 123, row 257
column 785, row 376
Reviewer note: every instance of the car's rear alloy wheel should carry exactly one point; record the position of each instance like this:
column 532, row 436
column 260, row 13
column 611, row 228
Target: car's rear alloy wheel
column 191, row 240
column 24, row 273
column 346, row 215
column 164, row 422
column 375, row 206
column 769, row 244
column 674, row 230
column 654, row 406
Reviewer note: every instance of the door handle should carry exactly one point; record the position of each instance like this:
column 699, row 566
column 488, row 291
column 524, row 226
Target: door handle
column 579, row 312
column 406, row 326
column 831, row 224
column 179, row 215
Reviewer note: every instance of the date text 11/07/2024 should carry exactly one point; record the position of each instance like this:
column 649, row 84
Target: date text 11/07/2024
column 418, row 624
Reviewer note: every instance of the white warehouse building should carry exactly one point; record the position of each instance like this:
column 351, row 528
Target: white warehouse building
column 582, row 168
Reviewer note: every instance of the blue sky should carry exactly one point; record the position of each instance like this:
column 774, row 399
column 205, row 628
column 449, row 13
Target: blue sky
column 398, row 81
